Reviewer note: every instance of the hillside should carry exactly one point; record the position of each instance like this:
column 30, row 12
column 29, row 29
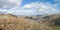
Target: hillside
column 9, row 22
column 12, row 22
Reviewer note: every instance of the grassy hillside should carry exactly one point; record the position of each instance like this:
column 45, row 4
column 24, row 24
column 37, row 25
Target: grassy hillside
column 11, row 22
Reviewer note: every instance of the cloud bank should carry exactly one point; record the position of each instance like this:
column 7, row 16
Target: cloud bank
column 8, row 4
column 34, row 8
column 41, row 8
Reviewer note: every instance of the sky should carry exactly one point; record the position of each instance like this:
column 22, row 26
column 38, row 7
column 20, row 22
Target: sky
column 29, row 7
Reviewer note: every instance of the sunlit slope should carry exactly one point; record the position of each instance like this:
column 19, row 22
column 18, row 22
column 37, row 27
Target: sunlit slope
column 11, row 22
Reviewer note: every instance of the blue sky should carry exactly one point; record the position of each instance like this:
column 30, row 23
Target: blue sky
column 29, row 7
column 28, row 2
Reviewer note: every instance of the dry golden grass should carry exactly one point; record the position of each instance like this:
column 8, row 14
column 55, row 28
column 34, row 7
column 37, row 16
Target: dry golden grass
column 10, row 22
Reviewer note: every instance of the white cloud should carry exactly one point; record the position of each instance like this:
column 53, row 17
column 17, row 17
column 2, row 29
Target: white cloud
column 41, row 8
column 27, row 6
column 36, row 8
column 7, row 4
column 34, row 4
column 28, row 9
column 57, row 0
